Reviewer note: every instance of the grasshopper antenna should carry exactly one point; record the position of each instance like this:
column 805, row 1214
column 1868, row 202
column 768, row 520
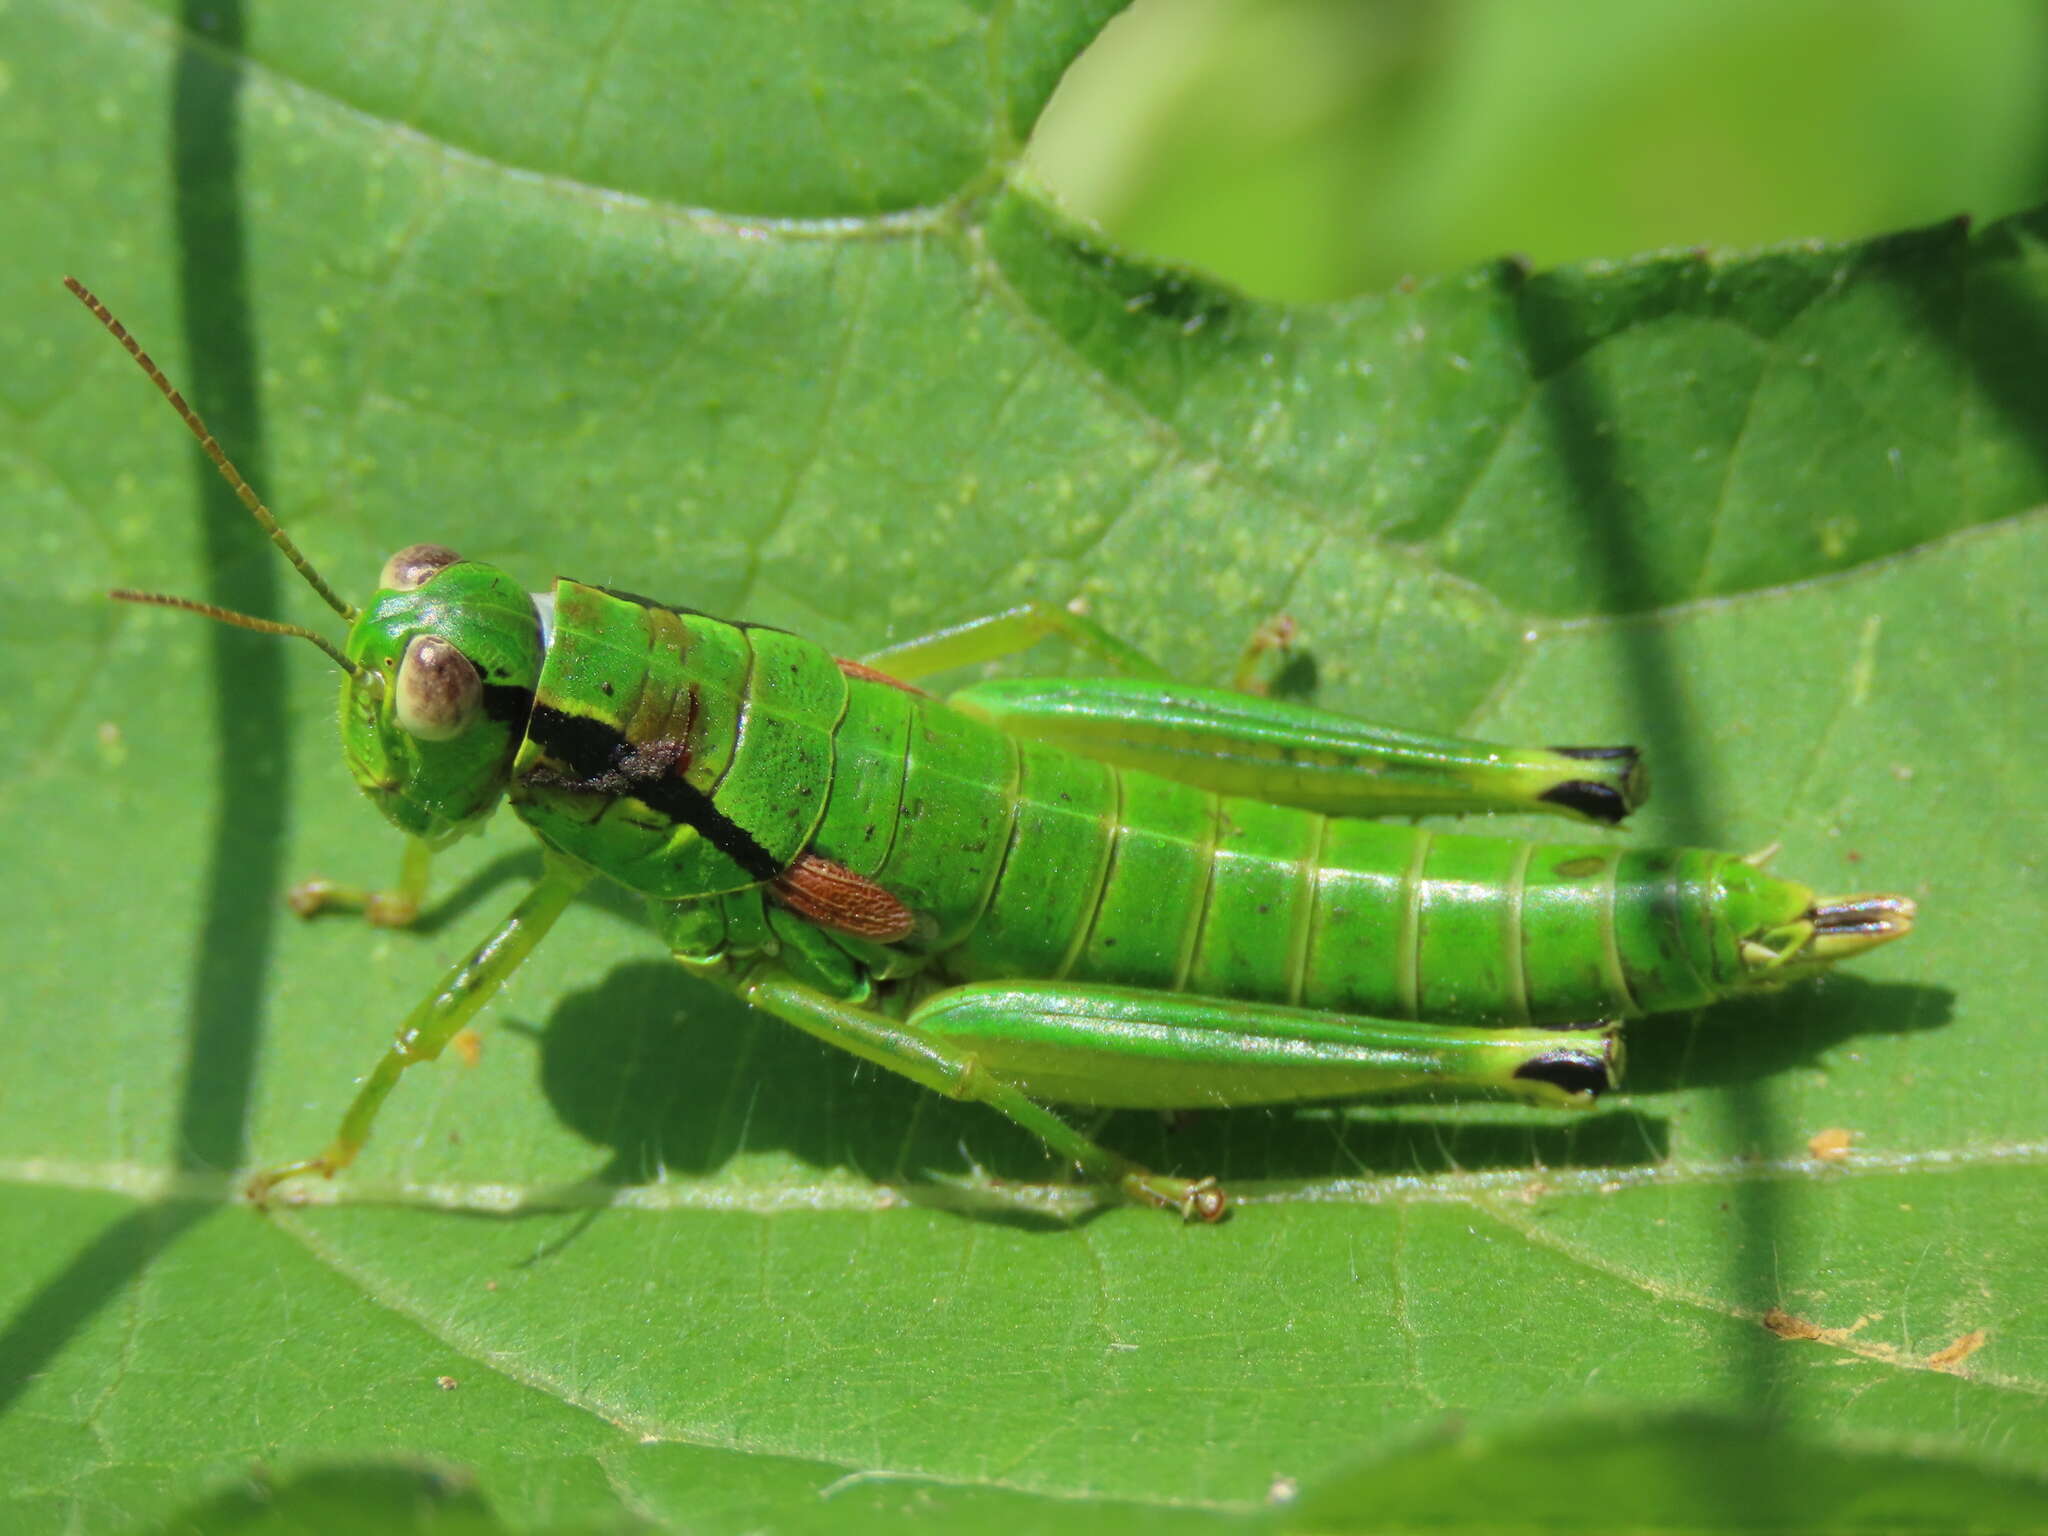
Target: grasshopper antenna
column 236, row 483
column 239, row 620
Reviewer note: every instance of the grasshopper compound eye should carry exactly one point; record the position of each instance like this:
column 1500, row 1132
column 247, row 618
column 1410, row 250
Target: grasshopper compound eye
column 414, row 566
column 439, row 692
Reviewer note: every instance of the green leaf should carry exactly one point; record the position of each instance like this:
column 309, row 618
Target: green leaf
column 761, row 316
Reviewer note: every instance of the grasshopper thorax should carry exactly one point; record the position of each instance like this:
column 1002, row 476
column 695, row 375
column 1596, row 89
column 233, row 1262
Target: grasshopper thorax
column 443, row 663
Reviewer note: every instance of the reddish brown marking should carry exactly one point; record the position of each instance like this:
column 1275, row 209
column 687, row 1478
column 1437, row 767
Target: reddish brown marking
column 834, row 896
column 868, row 674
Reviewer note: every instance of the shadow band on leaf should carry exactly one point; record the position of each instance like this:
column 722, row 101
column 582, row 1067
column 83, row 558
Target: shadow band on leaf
column 239, row 910
column 675, row 1078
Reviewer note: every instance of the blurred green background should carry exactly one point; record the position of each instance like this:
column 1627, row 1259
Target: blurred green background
column 1310, row 149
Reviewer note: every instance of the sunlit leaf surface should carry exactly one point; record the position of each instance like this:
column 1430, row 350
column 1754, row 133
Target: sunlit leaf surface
column 756, row 315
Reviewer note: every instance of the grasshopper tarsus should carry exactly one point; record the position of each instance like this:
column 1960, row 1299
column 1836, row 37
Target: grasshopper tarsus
column 310, row 898
column 382, row 909
column 1205, row 1202
column 1277, row 635
column 262, row 1187
column 1196, row 1200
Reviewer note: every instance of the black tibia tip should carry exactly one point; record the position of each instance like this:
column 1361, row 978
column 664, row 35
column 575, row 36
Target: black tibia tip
column 1600, row 802
column 1570, row 1069
column 1608, row 798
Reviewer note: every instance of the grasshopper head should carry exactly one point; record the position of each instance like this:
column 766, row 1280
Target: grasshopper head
column 442, row 666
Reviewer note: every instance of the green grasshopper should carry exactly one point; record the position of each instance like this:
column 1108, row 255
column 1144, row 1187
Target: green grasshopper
column 1097, row 892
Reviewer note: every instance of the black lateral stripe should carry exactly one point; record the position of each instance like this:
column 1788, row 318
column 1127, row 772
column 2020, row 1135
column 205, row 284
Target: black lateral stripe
column 676, row 797
column 597, row 754
column 508, row 704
